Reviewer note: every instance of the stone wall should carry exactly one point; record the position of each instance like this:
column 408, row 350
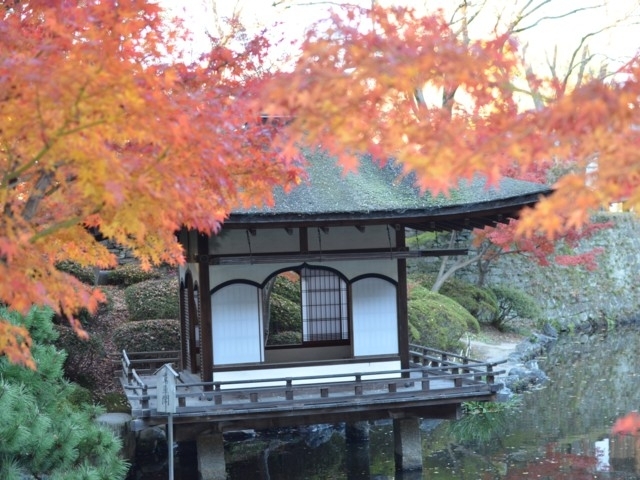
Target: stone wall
column 573, row 296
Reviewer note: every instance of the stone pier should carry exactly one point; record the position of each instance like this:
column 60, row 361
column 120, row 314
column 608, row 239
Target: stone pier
column 407, row 444
column 211, row 463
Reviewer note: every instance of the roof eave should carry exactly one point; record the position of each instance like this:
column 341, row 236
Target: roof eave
column 458, row 217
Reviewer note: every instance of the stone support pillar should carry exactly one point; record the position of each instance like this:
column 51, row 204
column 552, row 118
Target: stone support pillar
column 211, row 464
column 407, row 444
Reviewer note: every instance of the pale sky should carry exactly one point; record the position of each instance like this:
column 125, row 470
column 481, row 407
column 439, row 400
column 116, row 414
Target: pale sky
column 613, row 45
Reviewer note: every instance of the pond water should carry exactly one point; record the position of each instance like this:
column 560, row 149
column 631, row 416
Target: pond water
column 559, row 432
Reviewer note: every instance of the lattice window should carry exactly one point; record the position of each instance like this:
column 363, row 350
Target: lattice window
column 324, row 306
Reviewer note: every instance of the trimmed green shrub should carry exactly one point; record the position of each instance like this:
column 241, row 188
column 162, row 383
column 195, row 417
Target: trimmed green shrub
column 130, row 274
column 147, row 336
column 86, row 359
column 479, row 302
column 285, row 338
column 153, row 299
column 437, row 321
column 514, row 303
column 84, row 274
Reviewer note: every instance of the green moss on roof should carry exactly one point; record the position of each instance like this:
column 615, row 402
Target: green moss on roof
column 328, row 189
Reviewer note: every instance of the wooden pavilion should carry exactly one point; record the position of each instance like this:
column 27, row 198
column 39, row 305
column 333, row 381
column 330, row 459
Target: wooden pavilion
column 340, row 239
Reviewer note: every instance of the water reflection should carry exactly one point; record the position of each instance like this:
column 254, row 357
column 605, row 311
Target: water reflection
column 560, row 432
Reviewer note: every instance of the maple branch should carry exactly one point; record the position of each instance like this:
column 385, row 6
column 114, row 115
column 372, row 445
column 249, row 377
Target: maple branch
column 9, row 177
column 79, row 128
column 70, row 222
column 50, row 141
column 38, row 194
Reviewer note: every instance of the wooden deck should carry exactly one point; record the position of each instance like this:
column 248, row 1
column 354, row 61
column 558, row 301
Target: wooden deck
column 434, row 388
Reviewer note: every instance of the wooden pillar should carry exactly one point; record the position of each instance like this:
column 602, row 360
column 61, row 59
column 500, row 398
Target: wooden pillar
column 206, row 338
column 183, row 239
column 211, row 464
column 401, row 299
column 407, row 444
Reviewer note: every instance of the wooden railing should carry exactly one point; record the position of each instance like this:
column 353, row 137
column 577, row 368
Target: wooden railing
column 432, row 357
column 434, row 366
column 146, row 363
column 138, row 364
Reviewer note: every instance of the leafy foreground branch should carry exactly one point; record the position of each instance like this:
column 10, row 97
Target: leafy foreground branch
column 48, row 425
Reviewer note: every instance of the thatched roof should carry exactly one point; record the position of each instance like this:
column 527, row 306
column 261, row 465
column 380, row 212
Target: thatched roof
column 383, row 195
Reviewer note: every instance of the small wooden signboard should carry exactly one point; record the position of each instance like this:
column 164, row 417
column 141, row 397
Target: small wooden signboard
column 166, row 403
column 166, row 385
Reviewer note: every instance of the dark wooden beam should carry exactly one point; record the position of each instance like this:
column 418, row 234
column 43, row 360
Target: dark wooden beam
column 331, row 255
column 401, row 302
column 204, row 287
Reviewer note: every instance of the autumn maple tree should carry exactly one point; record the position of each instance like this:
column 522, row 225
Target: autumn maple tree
column 105, row 126
column 465, row 105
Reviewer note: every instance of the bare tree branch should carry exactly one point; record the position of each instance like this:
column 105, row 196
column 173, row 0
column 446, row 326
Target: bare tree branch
column 550, row 17
column 572, row 65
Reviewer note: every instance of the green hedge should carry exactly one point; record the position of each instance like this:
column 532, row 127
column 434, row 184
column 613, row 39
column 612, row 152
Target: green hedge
column 436, row 320
column 479, row 302
column 85, row 360
column 153, row 299
column 84, row 274
column 285, row 338
column 147, row 336
column 512, row 304
column 130, row 274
